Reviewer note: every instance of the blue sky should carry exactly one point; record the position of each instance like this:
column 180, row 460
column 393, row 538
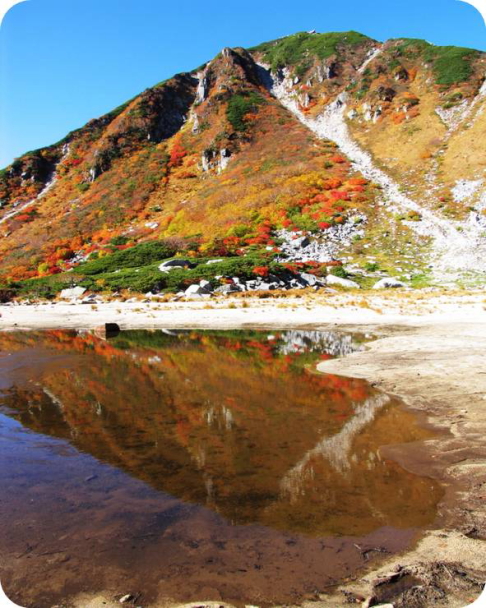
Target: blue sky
column 63, row 62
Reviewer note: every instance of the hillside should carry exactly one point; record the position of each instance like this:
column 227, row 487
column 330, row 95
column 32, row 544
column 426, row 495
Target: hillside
column 369, row 153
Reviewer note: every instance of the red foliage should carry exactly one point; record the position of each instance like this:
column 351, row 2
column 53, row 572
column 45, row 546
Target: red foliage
column 176, row 154
column 262, row 271
column 333, row 182
column 357, row 181
column 339, row 195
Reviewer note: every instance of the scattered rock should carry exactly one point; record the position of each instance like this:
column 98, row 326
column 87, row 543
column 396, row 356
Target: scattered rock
column 197, row 290
column 324, row 246
column 388, row 283
column 231, row 288
column 126, row 598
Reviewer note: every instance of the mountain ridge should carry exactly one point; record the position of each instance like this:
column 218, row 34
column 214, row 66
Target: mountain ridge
column 217, row 151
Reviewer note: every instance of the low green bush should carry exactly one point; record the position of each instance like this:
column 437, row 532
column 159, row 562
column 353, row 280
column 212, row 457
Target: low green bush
column 135, row 257
column 339, row 271
column 241, row 105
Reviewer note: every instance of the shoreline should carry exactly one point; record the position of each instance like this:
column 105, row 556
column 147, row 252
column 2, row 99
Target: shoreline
column 426, row 350
column 436, row 371
column 367, row 309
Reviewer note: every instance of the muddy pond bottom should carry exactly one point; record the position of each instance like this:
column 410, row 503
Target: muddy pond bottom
column 196, row 465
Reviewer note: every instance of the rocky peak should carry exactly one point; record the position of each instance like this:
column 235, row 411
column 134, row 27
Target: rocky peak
column 155, row 115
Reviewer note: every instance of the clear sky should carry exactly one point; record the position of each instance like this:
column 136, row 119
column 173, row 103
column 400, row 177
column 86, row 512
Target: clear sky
column 63, row 62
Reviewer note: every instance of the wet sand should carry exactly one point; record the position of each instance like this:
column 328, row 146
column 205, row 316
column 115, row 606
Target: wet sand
column 440, row 372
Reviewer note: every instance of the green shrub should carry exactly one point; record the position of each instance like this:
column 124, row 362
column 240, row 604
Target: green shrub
column 137, row 256
column 239, row 106
column 138, row 280
column 294, row 50
column 450, row 64
column 339, row 271
column 119, row 240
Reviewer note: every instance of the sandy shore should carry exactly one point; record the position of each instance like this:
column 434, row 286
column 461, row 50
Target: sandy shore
column 301, row 310
column 430, row 351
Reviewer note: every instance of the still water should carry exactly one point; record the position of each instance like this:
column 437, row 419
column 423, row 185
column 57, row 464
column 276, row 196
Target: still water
column 196, row 465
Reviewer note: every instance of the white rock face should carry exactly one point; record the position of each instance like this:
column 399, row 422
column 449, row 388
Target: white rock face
column 224, row 158
column 347, row 283
column 202, row 88
column 211, row 159
column 456, row 246
column 388, row 283
column 195, row 122
column 465, row 189
column 42, row 193
column 370, row 56
column 453, row 116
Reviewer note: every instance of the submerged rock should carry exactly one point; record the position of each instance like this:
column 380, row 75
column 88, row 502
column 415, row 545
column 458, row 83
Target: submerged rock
column 107, row 330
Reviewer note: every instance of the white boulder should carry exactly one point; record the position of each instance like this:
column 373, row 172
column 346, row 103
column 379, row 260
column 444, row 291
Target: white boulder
column 347, row 283
column 171, row 264
column 388, row 283
column 72, row 293
column 197, row 290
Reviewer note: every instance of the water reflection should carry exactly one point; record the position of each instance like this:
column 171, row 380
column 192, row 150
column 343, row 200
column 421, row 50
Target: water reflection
column 230, row 422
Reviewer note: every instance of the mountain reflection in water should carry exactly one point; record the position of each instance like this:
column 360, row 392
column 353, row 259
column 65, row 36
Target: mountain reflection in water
column 233, row 421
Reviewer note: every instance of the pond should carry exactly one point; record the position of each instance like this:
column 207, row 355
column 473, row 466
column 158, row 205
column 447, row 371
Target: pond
column 196, row 465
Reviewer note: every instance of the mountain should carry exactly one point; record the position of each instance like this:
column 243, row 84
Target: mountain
column 370, row 153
